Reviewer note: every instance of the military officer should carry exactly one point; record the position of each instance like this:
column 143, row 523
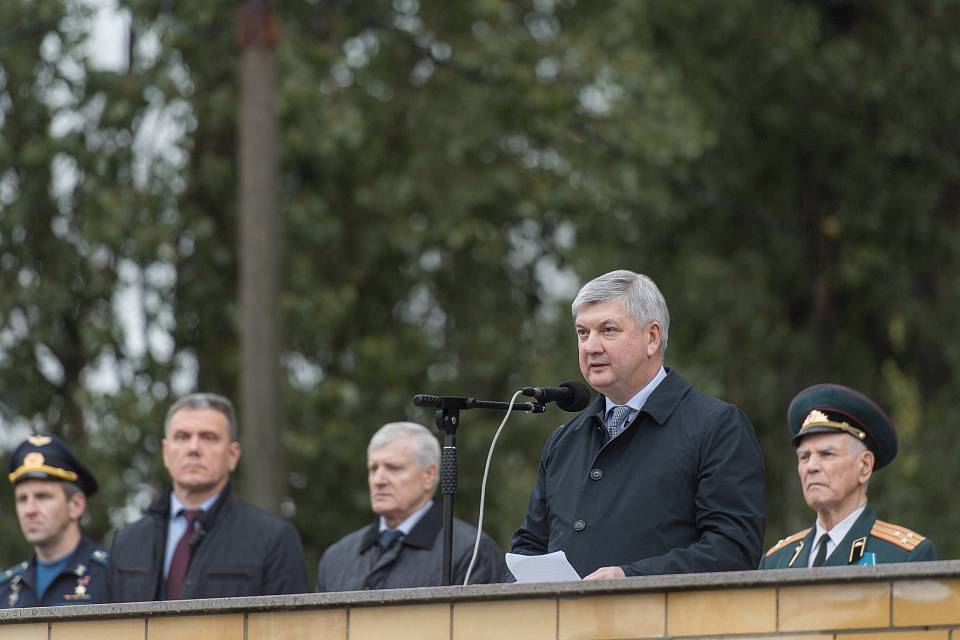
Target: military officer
column 842, row 437
column 51, row 488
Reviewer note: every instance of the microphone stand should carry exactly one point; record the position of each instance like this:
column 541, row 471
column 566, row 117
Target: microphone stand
column 447, row 421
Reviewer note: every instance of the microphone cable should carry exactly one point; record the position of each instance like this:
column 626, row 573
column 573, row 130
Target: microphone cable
column 483, row 487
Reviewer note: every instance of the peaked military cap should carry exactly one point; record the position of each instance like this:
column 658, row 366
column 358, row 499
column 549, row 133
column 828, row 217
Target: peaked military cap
column 46, row 457
column 825, row 408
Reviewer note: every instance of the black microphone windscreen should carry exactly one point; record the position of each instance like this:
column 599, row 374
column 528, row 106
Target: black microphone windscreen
column 578, row 400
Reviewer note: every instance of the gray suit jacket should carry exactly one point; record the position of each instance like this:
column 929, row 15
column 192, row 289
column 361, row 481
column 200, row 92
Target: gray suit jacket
column 357, row 562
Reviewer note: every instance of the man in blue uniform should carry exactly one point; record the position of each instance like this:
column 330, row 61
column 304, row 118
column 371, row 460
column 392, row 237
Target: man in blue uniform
column 51, row 488
column 842, row 437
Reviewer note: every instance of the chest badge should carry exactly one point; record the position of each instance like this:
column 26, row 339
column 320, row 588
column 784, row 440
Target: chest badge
column 796, row 554
column 857, row 550
column 80, row 590
column 15, row 587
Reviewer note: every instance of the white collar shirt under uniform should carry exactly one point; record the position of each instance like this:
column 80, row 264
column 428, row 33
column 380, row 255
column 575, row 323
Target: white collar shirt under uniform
column 838, row 533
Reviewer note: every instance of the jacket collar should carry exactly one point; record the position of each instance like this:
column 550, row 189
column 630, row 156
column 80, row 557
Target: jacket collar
column 803, row 555
column 845, row 553
column 666, row 397
column 660, row 405
column 77, row 563
column 161, row 508
column 422, row 536
column 853, row 545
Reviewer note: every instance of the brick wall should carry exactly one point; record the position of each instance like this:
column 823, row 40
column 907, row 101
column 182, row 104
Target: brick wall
column 906, row 602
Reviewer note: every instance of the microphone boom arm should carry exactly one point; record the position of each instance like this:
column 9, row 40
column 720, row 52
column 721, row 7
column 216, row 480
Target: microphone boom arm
column 447, row 420
column 459, row 402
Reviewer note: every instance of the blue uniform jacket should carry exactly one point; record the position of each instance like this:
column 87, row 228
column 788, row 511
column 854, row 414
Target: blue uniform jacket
column 681, row 490
column 82, row 581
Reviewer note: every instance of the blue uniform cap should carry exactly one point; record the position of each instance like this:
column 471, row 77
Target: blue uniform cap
column 46, row 457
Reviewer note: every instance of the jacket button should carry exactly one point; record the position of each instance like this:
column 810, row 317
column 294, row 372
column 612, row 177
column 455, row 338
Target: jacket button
column 579, row 525
column 596, row 474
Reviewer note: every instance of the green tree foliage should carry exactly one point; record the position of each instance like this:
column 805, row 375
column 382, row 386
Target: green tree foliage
column 786, row 171
column 85, row 229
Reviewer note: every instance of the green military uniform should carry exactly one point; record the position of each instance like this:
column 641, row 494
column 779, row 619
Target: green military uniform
column 868, row 541
column 832, row 408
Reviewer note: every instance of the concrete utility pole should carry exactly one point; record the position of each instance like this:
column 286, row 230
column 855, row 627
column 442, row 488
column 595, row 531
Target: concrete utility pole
column 261, row 233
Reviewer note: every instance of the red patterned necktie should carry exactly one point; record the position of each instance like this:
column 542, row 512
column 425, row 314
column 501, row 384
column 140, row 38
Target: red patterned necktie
column 181, row 557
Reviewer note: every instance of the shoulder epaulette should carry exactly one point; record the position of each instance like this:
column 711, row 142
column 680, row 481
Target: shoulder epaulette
column 100, row 556
column 895, row 534
column 799, row 535
column 13, row 571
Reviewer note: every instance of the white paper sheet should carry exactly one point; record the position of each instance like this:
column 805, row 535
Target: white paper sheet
column 551, row 567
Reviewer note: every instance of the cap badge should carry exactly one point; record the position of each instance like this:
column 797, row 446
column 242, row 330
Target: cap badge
column 33, row 459
column 819, row 418
column 39, row 441
column 815, row 416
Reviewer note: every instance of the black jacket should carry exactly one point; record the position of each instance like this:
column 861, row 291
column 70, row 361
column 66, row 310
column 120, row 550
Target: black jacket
column 83, row 580
column 357, row 562
column 681, row 490
column 238, row 550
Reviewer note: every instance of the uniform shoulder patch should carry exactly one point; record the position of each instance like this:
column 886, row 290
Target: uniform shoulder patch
column 13, row 572
column 100, row 556
column 799, row 535
column 895, row 534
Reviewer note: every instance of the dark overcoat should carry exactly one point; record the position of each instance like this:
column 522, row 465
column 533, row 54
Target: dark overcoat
column 238, row 550
column 681, row 490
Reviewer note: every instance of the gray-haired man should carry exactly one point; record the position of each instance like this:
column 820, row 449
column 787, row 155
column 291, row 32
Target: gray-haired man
column 654, row 477
column 403, row 547
column 200, row 540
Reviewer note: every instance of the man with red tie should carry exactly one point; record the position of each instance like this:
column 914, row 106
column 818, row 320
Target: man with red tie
column 201, row 540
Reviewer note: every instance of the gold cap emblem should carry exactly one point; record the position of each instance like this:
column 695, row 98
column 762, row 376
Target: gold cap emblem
column 39, row 441
column 33, row 459
column 817, row 418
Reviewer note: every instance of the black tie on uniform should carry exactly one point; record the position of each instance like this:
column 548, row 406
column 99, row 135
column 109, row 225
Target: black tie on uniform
column 821, row 551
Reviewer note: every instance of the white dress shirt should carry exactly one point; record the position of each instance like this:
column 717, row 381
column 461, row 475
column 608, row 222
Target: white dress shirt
column 838, row 533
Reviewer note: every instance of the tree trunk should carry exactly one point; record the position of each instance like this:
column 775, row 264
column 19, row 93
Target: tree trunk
column 261, row 231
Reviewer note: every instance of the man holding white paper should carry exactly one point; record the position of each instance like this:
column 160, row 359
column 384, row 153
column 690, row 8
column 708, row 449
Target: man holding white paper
column 654, row 477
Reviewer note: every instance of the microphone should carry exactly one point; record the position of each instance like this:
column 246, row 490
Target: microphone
column 440, row 402
column 571, row 395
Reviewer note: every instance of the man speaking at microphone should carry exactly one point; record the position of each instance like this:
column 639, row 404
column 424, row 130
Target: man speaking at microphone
column 654, row 477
